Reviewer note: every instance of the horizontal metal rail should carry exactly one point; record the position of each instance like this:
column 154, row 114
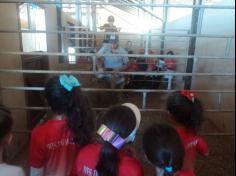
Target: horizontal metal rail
column 119, row 33
column 112, row 72
column 202, row 134
column 118, row 90
column 105, row 109
column 120, row 4
column 113, row 55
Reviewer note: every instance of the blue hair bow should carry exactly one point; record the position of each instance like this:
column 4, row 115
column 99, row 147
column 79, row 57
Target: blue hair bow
column 169, row 169
column 68, row 82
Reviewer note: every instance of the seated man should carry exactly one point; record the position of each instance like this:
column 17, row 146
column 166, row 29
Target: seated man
column 113, row 63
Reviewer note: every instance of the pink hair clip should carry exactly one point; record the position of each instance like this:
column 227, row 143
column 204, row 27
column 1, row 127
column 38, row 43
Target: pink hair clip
column 188, row 94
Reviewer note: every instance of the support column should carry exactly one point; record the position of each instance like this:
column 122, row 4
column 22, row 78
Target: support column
column 165, row 18
column 192, row 44
column 60, row 37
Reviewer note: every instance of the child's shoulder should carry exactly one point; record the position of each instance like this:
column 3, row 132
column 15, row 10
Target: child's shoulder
column 128, row 162
column 48, row 125
column 7, row 170
column 185, row 173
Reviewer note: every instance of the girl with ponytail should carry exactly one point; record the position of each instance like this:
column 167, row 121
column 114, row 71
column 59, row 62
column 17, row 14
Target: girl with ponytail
column 187, row 111
column 55, row 143
column 164, row 149
column 108, row 157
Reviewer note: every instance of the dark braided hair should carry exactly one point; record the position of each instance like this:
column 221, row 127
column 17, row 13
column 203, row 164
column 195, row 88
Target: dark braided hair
column 122, row 121
column 163, row 148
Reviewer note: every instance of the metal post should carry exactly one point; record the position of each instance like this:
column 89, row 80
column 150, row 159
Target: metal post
column 78, row 14
column 144, row 100
column 60, row 45
column 19, row 25
column 219, row 101
column 165, row 17
column 94, row 23
column 228, row 47
column 94, row 64
column 147, row 45
column 192, row 45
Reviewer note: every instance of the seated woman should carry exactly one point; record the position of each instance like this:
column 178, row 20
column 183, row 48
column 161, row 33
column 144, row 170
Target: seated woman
column 108, row 156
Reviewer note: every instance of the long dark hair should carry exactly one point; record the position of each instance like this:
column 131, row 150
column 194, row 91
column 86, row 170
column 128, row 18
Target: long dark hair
column 75, row 105
column 184, row 111
column 122, row 121
column 6, row 122
column 163, row 147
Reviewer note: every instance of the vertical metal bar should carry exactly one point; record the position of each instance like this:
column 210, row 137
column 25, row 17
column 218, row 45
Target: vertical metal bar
column 19, row 25
column 228, row 47
column 192, row 45
column 94, row 24
column 88, row 14
column 144, row 100
column 60, row 36
column 219, row 100
column 147, row 45
column 165, row 18
column 94, row 64
column 28, row 16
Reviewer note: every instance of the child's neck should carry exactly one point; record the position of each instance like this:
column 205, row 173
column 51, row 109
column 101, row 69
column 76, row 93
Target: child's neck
column 59, row 116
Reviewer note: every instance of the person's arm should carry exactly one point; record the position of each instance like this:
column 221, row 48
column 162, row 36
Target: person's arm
column 104, row 27
column 36, row 171
column 101, row 51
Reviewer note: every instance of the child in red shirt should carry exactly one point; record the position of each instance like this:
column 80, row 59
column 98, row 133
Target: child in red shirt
column 187, row 111
column 6, row 123
column 55, row 143
column 108, row 157
column 164, row 149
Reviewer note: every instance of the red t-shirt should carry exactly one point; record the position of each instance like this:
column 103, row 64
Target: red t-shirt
column 52, row 148
column 185, row 173
column 193, row 144
column 88, row 157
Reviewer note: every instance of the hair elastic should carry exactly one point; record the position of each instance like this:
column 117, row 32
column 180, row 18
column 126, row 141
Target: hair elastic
column 111, row 137
column 188, row 94
column 68, row 82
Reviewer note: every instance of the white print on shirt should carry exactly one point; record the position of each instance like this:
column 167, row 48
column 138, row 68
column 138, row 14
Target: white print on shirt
column 60, row 143
column 89, row 172
column 192, row 144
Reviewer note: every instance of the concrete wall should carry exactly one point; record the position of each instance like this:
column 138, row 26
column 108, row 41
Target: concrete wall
column 10, row 42
column 215, row 22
